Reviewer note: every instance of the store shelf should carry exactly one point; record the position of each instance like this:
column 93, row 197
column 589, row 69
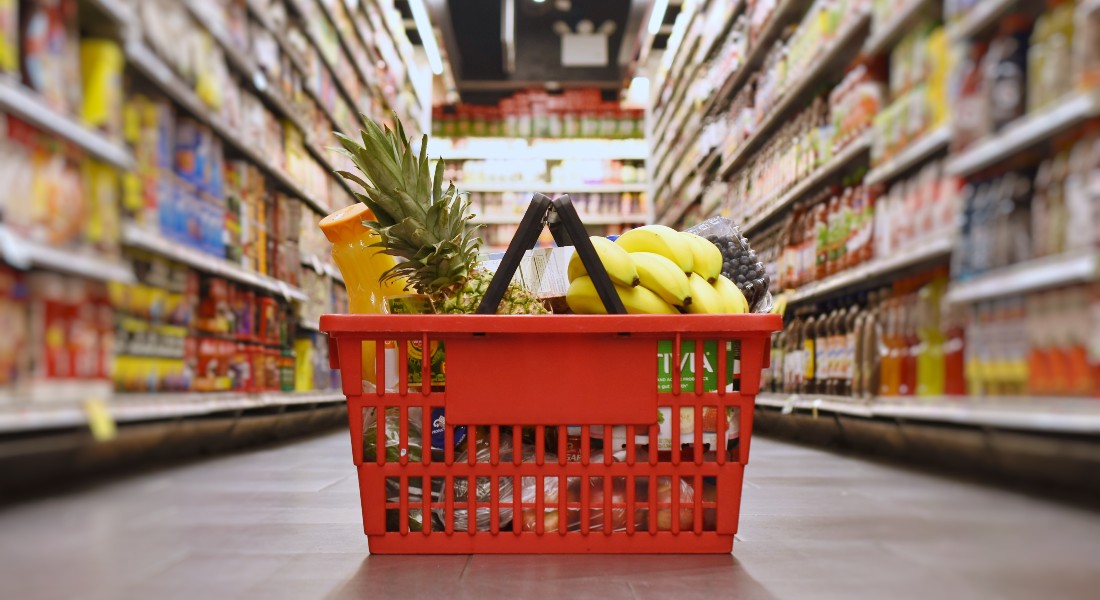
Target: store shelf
column 64, row 407
column 586, row 219
column 1026, row 132
column 321, row 267
column 979, row 18
column 143, row 58
column 672, row 215
column 886, row 35
column 29, row 106
column 544, row 187
column 116, row 10
column 798, row 91
column 754, row 57
column 135, row 236
column 538, row 149
column 22, row 253
column 811, row 182
column 876, row 269
column 1046, row 415
column 915, row 154
column 1031, row 276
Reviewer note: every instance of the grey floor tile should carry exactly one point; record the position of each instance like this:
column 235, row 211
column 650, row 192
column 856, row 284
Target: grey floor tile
column 285, row 522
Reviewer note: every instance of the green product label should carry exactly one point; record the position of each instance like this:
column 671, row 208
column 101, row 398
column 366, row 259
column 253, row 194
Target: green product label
column 418, row 305
column 665, row 358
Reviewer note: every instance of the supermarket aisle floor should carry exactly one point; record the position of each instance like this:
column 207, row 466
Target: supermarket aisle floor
column 284, row 522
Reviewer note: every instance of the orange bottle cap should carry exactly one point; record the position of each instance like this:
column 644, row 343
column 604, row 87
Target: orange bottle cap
column 346, row 223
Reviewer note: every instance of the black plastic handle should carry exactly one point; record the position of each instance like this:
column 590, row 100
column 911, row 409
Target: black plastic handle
column 567, row 229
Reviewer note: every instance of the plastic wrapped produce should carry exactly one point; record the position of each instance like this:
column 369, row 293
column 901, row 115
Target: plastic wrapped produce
column 739, row 262
column 393, row 451
column 484, row 489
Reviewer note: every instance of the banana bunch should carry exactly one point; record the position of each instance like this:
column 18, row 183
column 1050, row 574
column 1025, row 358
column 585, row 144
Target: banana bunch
column 657, row 270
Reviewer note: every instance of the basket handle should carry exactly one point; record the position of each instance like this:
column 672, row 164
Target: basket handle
column 567, row 229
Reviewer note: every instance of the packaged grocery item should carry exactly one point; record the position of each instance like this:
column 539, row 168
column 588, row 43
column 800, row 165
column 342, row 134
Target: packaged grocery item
column 740, row 263
column 362, row 267
column 50, row 52
column 101, row 63
column 9, row 36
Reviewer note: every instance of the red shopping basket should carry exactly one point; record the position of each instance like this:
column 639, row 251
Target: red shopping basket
column 552, row 434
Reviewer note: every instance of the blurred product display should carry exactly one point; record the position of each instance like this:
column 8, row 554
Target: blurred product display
column 164, row 176
column 919, row 177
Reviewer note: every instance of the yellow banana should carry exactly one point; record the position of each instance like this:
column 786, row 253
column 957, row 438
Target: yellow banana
column 704, row 298
column 732, row 297
column 708, row 258
column 662, row 240
column 661, row 275
column 616, row 261
column 583, row 299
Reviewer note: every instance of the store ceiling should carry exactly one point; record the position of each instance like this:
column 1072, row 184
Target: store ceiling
column 474, row 40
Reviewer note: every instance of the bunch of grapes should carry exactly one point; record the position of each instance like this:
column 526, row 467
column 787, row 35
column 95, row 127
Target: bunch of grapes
column 740, row 265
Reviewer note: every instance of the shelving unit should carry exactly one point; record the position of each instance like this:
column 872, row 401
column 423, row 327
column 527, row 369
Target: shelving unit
column 544, row 187
column 838, row 163
column 586, row 219
column 1026, row 132
column 22, row 253
column 26, row 104
column 981, row 16
column 1080, row 416
column 537, row 149
column 876, row 270
column 1035, row 275
column 915, row 154
column 66, row 412
column 143, row 254
column 137, row 237
column 837, row 49
column 885, row 36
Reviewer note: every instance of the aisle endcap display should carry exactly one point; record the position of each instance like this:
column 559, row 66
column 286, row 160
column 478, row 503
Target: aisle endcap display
column 596, row 219
column 137, row 237
column 1048, row 415
column 1027, row 131
column 18, row 100
column 1036, row 275
column 22, row 253
column 913, row 155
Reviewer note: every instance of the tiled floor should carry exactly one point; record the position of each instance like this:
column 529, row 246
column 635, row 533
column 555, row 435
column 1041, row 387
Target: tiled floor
column 284, row 522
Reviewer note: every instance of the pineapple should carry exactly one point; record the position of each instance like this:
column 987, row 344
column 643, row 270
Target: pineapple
column 423, row 225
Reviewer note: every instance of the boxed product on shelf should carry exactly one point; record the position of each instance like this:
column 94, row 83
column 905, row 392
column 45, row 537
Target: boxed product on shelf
column 54, row 194
column 9, row 36
column 50, row 52
column 920, row 71
column 14, row 319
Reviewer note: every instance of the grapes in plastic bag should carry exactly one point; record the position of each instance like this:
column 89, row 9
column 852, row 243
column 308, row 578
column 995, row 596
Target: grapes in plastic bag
column 739, row 262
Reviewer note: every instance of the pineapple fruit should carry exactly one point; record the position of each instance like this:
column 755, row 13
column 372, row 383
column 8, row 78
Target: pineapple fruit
column 422, row 224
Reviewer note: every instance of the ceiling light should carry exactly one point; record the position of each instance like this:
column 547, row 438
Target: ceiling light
column 427, row 35
column 657, row 17
column 538, row 1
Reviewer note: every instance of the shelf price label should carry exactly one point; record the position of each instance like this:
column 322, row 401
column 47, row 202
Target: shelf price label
column 100, row 421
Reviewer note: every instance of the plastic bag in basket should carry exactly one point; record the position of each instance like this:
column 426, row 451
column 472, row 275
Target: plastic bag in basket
column 392, row 448
column 739, row 263
column 483, row 492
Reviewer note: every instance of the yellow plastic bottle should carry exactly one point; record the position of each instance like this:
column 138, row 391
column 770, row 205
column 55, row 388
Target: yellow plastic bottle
column 362, row 267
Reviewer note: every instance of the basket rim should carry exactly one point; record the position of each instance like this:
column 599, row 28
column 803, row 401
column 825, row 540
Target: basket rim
column 723, row 325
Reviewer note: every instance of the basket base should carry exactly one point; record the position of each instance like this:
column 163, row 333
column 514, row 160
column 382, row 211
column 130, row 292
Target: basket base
column 507, row 542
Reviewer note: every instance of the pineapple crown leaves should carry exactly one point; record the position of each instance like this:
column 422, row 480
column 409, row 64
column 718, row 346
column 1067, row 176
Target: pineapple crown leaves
column 415, row 217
